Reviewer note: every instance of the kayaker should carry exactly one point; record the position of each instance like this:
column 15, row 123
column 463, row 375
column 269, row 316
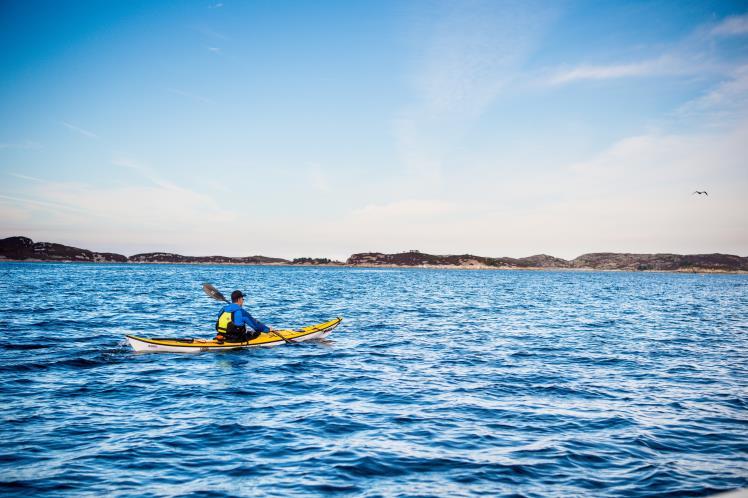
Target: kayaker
column 234, row 324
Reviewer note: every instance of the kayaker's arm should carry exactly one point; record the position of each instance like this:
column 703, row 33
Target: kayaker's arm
column 255, row 324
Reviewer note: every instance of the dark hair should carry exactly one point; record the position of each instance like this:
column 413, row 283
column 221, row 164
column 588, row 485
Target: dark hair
column 236, row 295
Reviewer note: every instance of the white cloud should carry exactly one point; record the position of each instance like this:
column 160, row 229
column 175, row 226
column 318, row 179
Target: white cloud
column 669, row 64
column 660, row 162
column 80, row 130
column 408, row 209
column 636, row 196
column 604, row 72
column 732, row 26
column 215, row 6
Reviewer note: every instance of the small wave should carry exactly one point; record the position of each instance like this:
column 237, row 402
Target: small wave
column 81, row 363
column 24, row 347
column 20, row 368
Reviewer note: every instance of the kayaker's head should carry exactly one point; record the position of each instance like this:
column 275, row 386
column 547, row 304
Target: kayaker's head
column 237, row 297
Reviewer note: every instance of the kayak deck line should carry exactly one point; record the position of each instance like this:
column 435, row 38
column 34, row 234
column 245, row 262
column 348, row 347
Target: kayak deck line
column 266, row 339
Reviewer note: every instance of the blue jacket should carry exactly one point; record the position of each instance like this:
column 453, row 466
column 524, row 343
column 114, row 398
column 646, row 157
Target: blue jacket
column 241, row 317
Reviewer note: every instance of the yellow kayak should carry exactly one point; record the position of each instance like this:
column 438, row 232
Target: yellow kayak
column 266, row 339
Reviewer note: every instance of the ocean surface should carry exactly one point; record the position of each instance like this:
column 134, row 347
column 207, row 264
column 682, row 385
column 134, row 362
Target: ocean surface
column 437, row 383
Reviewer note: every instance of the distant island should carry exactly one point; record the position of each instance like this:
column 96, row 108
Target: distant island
column 24, row 249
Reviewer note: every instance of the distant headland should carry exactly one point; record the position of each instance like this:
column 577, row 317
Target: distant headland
column 24, row 249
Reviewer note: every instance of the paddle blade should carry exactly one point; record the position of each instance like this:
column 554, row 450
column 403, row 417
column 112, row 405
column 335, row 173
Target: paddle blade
column 213, row 292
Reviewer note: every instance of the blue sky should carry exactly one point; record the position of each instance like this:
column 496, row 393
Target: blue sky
column 327, row 128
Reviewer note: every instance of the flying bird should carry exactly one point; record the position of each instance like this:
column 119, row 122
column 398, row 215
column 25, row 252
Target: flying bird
column 701, row 192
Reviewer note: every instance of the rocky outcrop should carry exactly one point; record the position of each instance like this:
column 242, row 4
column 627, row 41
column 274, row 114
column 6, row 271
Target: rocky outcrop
column 316, row 262
column 661, row 262
column 23, row 248
column 166, row 257
column 16, row 248
column 414, row 258
column 545, row 261
column 592, row 261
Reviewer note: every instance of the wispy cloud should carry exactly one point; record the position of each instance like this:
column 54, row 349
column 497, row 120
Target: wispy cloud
column 467, row 52
column 215, row 5
column 604, row 72
column 140, row 211
column 404, row 210
column 726, row 101
column 318, row 180
column 146, row 172
column 471, row 50
column 690, row 55
column 26, row 177
column 27, row 144
column 146, row 210
column 206, row 31
column 190, row 96
column 40, row 203
column 215, row 50
column 732, row 26
column 80, row 130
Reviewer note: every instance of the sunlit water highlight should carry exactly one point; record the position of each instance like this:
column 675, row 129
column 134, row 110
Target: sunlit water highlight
column 438, row 383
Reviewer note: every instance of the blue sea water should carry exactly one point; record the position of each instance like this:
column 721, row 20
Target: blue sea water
column 437, row 383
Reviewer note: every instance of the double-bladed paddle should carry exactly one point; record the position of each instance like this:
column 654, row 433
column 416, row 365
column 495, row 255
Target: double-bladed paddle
column 215, row 294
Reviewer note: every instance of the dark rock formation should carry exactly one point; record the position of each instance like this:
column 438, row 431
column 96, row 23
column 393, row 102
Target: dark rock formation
column 16, row 248
column 23, row 248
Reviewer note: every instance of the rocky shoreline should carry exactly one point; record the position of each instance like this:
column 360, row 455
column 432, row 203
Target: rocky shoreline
column 591, row 261
column 13, row 249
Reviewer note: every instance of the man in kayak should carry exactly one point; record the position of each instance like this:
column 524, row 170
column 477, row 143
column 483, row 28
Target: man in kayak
column 234, row 324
